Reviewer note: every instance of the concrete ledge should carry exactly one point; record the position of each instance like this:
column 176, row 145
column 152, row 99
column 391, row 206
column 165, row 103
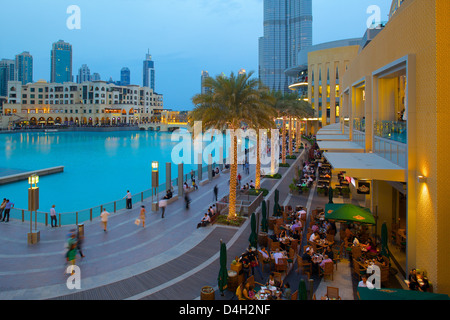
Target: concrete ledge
column 25, row 175
column 225, row 170
column 172, row 200
column 203, row 182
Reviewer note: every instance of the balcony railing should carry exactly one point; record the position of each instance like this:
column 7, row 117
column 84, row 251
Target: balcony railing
column 359, row 124
column 392, row 130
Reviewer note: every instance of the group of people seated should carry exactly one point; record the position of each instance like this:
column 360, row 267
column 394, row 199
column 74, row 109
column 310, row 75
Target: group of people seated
column 418, row 281
column 215, row 171
column 248, row 186
column 168, row 195
column 212, row 210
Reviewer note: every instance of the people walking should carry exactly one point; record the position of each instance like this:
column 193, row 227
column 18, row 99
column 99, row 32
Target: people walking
column 163, row 205
column 104, row 217
column 53, row 216
column 8, row 207
column 2, row 208
column 80, row 240
column 128, row 197
column 216, row 191
column 71, row 253
column 187, row 200
column 142, row 216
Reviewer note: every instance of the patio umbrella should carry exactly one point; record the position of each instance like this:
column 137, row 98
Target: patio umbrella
column 398, row 294
column 384, row 240
column 302, row 294
column 276, row 206
column 253, row 239
column 223, row 273
column 264, row 222
column 330, row 194
column 348, row 213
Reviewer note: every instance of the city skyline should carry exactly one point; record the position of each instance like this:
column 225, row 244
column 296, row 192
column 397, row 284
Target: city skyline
column 181, row 48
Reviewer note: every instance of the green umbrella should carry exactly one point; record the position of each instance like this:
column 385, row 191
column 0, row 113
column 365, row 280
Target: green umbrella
column 223, row 273
column 348, row 213
column 253, row 239
column 384, row 240
column 302, row 294
column 330, row 194
column 276, row 206
column 398, row 294
column 264, row 222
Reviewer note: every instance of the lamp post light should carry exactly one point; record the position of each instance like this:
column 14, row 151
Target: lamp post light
column 33, row 205
column 155, row 183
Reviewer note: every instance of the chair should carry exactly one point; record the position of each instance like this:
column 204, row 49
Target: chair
column 358, row 270
column 303, row 266
column 294, row 296
column 384, row 270
column 291, row 257
column 327, row 270
column 252, row 282
column 274, row 246
column 336, row 256
column 282, row 265
column 330, row 238
column 294, row 245
column 356, row 252
column 263, row 262
column 333, row 293
column 278, row 278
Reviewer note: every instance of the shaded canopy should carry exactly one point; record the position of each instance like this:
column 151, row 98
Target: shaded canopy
column 348, row 213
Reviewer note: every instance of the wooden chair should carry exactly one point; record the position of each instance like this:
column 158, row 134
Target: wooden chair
column 263, row 262
column 291, row 257
column 294, row 245
column 384, row 270
column 278, row 279
column 330, row 238
column 327, row 270
column 303, row 266
column 333, row 293
column 252, row 282
column 358, row 270
column 282, row 265
column 294, row 296
column 336, row 256
column 274, row 246
column 356, row 252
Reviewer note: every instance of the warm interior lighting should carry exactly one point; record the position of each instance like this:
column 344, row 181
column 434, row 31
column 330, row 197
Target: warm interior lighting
column 33, row 180
column 155, row 166
column 421, row 179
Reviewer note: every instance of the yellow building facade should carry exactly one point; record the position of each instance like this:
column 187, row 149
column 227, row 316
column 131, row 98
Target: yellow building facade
column 395, row 94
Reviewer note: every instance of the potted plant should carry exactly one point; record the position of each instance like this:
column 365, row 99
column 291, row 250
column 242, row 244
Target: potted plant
column 293, row 188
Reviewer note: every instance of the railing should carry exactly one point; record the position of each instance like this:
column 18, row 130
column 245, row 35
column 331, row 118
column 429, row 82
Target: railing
column 78, row 217
column 392, row 130
column 359, row 124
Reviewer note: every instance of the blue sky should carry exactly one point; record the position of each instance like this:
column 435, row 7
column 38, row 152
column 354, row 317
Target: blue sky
column 184, row 36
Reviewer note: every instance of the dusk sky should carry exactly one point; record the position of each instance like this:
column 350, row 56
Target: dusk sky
column 184, row 37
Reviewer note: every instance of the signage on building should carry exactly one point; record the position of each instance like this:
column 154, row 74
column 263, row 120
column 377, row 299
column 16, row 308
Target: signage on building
column 363, row 187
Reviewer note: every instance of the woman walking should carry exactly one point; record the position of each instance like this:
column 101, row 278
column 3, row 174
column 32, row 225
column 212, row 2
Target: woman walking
column 142, row 216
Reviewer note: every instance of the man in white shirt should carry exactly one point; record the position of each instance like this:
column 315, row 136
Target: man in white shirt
column 53, row 216
column 277, row 255
column 128, row 197
column 364, row 283
column 163, row 205
column 104, row 217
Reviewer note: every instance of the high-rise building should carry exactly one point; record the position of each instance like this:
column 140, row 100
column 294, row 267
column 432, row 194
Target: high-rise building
column 61, row 62
column 84, row 74
column 24, row 67
column 7, row 73
column 149, row 72
column 96, row 77
column 125, row 77
column 287, row 29
column 205, row 75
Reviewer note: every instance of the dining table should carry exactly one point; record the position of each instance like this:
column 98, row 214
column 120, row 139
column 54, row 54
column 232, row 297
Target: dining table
column 268, row 293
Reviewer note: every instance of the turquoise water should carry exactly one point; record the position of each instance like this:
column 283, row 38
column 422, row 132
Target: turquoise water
column 99, row 166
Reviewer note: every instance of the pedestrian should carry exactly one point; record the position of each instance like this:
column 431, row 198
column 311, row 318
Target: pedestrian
column 216, row 191
column 239, row 179
column 104, row 216
column 2, row 207
column 53, row 216
column 71, row 251
column 142, row 216
column 192, row 175
column 8, row 207
column 162, row 205
column 128, row 197
column 187, row 200
column 80, row 240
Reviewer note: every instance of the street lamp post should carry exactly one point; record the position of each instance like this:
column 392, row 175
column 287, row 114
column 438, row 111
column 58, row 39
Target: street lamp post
column 33, row 205
column 155, row 183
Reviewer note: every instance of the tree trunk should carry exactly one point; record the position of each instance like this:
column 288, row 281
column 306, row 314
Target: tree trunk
column 297, row 136
column 233, row 180
column 283, row 141
column 258, row 162
column 290, row 136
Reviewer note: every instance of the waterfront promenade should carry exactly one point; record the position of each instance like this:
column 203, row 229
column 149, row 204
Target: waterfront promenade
column 169, row 260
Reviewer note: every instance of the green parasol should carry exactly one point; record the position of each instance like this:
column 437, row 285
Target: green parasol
column 302, row 294
column 398, row 294
column 330, row 194
column 384, row 240
column 264, row 222
column 223, row 273
column 253, row 239
column 348, row 213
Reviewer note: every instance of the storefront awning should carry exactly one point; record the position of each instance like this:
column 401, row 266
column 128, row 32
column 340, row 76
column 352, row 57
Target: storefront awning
column 340, row 146
column 366, row 166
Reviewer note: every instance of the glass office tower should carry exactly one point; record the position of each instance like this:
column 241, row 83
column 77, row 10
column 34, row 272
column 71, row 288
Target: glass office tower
column 287, row 29
column 61, row 62
column 149, row 72
column 24, row 67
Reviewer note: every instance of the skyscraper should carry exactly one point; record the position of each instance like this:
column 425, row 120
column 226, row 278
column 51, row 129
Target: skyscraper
column 24, row 67
column 7, row 73
column 205, row 75
column 96, row 77
column 84, row 74
column 287, row 29
column 125, row 77
column 149, row 72
column 61, row 62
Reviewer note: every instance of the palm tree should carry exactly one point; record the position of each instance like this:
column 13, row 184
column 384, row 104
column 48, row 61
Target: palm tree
column 231, row 102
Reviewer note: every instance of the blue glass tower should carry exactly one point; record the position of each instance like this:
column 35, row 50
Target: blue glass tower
column 125, row 77
column 287, row 29
column 61, row 62
column 149, row 73
column 24, row 67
